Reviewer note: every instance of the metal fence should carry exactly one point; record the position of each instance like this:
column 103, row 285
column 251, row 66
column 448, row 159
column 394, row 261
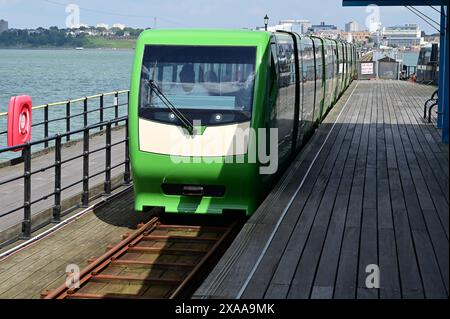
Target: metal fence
column 72, row 115
column 57, row 165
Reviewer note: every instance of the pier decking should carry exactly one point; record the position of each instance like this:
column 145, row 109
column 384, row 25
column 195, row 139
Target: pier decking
column 371, row 187
column 42, row 266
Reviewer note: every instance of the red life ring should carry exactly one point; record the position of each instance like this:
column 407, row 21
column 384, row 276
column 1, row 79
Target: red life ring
column 19, row 120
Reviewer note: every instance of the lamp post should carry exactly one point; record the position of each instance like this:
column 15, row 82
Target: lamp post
column 266, row 22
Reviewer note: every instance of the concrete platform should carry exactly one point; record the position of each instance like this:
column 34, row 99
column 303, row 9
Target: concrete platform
column 371, row 187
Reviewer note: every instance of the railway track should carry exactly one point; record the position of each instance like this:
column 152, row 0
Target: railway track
column 156, row 261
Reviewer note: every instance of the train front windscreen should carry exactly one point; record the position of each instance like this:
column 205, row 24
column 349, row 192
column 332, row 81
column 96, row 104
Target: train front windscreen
column 211, row 84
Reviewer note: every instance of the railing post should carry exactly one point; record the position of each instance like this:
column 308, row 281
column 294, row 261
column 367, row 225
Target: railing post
column 116, row 107
column 85, row 196
column 26, row 224
column 85, row 110
column 108, row 160
column 68, row 120
column 46, row 125
column 101, row 109
column 128, row 99
column 127, row 174
column 57, row 206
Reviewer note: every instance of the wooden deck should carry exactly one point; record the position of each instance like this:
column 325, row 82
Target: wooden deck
column 371, row 187
column 42, row 266
column 42, row 183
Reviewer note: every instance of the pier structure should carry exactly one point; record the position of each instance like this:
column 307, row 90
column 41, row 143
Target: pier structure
column 368, row 193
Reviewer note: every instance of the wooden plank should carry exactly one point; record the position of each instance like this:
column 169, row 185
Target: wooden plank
column 388, row 263
column 429, row 269
column 225, row 276
column 328, row 264
column 45, row 267
column 327, row 268
column 346, row 278
column 368, row 246
column 71, row 233
column 368, row 254
column 368, row 202
column 387, row 250
column 430, row 272
column 288, row 263
column 306, row 269
column 409, row 272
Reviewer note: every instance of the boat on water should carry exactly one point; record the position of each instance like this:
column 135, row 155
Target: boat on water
column 79, row 48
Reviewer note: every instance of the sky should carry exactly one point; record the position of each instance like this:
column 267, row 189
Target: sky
column 199, row 13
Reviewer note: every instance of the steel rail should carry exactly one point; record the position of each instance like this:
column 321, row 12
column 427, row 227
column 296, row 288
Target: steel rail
column 197, row 268
column 62, row 291
column 100, row 271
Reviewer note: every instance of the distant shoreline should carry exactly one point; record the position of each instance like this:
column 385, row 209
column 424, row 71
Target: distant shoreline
column 94, row 43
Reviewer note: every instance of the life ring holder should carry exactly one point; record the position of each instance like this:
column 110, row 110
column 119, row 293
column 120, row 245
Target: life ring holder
column 19, row 121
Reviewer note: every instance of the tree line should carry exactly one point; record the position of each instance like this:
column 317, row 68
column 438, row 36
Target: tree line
column 52, row 37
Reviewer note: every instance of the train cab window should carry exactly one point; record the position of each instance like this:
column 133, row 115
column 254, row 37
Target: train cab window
column 212, row 84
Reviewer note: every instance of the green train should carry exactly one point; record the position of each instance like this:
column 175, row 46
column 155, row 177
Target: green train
column 203, row 103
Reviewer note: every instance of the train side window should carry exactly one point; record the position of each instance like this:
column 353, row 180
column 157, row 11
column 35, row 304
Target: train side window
column 273, row 76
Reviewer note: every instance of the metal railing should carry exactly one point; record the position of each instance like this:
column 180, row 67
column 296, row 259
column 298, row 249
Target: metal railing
column 57, row 165
column 69, row 117
column 429, row 104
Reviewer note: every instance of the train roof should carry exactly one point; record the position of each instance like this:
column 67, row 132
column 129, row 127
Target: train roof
column 204, row 37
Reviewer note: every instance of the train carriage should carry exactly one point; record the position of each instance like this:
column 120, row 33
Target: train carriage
column 341, row 67
column 337, row 75
column 308, row 80
column 330, row 73
column 348, row 59
column 320, row 81
column 194, row 93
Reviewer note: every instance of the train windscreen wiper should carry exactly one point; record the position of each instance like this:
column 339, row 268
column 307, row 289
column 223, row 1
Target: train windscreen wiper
column 185, row 121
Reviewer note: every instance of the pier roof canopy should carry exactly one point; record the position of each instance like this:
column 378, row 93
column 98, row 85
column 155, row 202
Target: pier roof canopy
column 351, row 3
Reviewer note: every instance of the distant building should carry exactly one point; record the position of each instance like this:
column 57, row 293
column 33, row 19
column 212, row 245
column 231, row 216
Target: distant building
column 273, row 28
column 299, row 26
column 434, row 38
column 407, row 35
column 102, row 25
column 317, row 28
column 3, row 26
column 361, row 36
column 119, row 26
column 351, row 27
column 344, row 36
